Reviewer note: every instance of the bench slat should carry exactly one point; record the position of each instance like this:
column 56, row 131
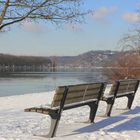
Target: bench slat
column 124, row 89
column 125, row 86
column 87, row 97
column 73, row 95
column 38, row 110
column 123, row 82
column 77, row 93
column 69, row 101
column 78, row 88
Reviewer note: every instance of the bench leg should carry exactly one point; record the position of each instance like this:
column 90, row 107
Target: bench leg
column 110, row 103
column 130, row 101
column 93, row 110
column 53, row 128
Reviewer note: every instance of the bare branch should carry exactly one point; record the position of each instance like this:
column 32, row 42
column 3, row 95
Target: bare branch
column 6, row 4
column 126, row 65
column 58, row 11
column 131, row 40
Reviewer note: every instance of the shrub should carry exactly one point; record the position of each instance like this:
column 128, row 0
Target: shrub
column 126, row 65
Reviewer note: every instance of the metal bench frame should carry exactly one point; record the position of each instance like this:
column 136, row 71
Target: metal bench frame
column 111, row 99
column 55, row 113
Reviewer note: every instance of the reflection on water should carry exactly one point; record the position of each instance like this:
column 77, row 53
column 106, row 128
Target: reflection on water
column 17, row 84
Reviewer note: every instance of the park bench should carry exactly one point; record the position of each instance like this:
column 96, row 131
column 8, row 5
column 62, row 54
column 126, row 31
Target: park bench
column 68, row 97
column 121, row 88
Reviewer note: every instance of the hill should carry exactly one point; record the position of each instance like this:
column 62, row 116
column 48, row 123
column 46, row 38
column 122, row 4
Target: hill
column 88, row 59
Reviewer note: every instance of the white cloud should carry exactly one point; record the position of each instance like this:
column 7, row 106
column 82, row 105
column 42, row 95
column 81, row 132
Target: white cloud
column 32, row 27
column 131, row 17
column 103, row 13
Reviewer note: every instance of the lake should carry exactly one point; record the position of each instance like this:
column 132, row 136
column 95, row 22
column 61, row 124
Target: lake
column 25, row 83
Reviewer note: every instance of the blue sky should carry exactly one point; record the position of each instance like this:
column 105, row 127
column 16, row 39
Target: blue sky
column 102, row 31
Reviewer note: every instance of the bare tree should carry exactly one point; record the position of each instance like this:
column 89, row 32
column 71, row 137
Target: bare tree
column 127, row 63
column 56, row 11
column 131, row 41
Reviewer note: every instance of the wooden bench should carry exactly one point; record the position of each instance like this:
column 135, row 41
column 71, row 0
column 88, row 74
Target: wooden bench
column 68, row 97
column 122, row 88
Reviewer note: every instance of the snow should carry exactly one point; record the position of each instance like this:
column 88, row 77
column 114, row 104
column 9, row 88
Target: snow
column 15, row 124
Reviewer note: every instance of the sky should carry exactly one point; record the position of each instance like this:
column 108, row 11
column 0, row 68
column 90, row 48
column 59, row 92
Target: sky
column 102, row 30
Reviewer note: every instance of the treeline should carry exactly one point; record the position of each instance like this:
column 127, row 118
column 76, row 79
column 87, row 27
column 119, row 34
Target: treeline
column 13, row 63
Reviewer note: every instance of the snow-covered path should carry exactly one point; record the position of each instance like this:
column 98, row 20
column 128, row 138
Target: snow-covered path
column 15, row 124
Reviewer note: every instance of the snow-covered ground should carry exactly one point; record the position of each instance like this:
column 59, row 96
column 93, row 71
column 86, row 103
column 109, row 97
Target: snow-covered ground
column 15, row 124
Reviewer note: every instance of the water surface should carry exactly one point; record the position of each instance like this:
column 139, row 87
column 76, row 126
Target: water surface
column 24, row 83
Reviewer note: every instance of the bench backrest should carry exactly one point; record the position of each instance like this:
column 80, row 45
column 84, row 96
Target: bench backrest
column 77, row 93
column 124, row 87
